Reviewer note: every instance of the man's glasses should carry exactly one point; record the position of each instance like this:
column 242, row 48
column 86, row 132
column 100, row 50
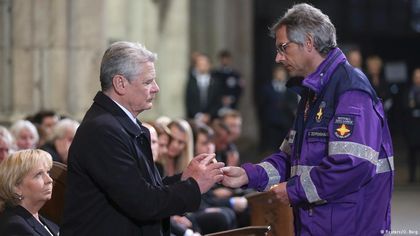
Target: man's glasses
column 281, row 49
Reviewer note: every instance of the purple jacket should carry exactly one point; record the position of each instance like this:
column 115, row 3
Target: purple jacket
column 338, row 162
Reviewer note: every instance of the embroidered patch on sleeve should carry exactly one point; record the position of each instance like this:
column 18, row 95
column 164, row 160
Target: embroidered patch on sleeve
column 343, row 126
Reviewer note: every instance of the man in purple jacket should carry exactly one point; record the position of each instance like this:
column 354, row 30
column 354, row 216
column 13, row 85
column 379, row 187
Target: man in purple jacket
column 335, row 168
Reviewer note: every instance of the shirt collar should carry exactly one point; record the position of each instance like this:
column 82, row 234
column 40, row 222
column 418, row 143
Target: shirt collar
column 317, row 80
column 132, row 118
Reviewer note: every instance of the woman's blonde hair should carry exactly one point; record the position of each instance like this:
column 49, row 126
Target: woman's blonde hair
column 14, row 168
column 187, row 155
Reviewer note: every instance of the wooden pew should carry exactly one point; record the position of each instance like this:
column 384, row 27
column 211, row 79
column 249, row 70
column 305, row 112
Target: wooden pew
column 245, row 231
column 53, row 209
column 266, row 210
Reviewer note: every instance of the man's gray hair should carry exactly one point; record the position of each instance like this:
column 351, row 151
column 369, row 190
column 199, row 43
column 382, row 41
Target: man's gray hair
column 304, row 20
column 123, row 58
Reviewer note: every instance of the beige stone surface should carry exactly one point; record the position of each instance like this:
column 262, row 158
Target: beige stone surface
column 57, row 24
column 3, row 22
column 86, row 28
column 115, row 19
column 56, row 80
column 22, row 28
column 83, row 81
column 41, row 19
column 173, row 62
column 5, row 56
column 23, row 84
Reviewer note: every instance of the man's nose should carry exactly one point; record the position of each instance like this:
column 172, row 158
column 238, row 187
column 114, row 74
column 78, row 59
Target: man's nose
column 156, row 87
column 279, row 58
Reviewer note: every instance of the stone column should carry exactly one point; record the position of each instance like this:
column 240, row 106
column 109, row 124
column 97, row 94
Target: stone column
column 22, row 59
column 54, row 52
column 5, row 60
column 173, row 52
column 86, row 44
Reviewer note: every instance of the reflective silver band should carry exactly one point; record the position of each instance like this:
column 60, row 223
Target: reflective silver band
column 347, row 148
column 354, row 149
column 299, row 169
column 291, row 138
column 293, row 170
column 308, row 186
column 285, row 147
column 385, row 165
column 272, row 173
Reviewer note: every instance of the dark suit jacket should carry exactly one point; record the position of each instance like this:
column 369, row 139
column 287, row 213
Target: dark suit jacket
column 113, row 185
column 18, row 221
column 193, row 99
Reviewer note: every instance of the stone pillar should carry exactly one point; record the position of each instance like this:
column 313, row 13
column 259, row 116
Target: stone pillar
column 22, row 59
column 173, row 53
column 86, row 44
column 5, row 60
column 54, row 50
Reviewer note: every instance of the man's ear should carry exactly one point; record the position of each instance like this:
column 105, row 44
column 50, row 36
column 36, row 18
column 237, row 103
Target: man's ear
column 120, row 84
column 309, row 42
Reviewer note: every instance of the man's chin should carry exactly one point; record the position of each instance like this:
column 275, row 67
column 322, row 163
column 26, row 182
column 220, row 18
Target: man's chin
column 149, row 106
column 295, row 73
column 291, row 72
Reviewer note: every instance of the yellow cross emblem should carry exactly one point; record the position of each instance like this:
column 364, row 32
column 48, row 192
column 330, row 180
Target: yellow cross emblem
column 343, row 130
column 319, row 114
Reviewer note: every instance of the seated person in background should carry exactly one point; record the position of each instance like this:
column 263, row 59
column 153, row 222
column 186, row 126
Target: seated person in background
column 25, row 186
column 354, row 57
column 180, row 152
column 180, row 149
column 219, row 197
column 225, row 150
column 233, row 120
column 45, row 121
column 6, row 142
column 154, row 143
column 62, row 136
column 164, row 138
column 177, row 228
column 25, row 134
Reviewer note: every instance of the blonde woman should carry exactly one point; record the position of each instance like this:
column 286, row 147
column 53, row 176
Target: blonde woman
column 25, row 186
column 180, row 148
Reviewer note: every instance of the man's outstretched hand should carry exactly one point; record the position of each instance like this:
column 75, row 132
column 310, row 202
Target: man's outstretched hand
column 234, row 177
column 204, row 170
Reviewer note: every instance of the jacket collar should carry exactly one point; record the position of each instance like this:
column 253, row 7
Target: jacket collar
column 107, row 104
column 34, row 223
column 318, row 79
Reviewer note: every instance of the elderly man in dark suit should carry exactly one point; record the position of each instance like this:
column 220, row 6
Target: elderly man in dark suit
column 113, row 186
